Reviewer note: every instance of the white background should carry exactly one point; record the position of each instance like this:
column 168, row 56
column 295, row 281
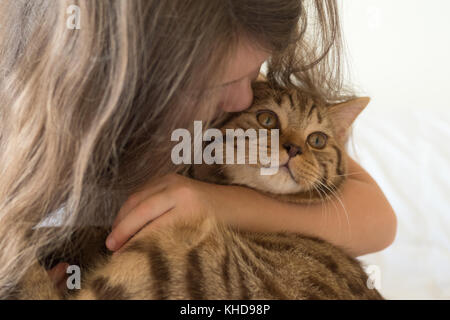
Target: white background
column 399, row 54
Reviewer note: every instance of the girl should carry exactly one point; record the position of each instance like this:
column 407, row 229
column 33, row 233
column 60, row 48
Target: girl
column 90, row 94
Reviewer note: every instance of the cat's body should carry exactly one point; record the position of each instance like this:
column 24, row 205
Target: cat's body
column 204, row 259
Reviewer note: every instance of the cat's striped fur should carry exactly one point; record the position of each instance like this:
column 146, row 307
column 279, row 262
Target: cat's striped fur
column 203, row 259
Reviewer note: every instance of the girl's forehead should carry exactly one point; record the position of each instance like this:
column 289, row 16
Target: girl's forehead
column 245, row 61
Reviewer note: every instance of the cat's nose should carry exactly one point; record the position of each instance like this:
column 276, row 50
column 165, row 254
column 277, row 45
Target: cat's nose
column 292, row 149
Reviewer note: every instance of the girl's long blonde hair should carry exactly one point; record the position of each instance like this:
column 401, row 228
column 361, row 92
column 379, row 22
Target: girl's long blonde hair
column 86, row 114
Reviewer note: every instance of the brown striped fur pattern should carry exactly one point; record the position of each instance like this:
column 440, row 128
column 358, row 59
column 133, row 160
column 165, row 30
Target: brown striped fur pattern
column 203, row 259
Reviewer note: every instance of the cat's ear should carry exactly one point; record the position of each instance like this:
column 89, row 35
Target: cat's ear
column 344, row 114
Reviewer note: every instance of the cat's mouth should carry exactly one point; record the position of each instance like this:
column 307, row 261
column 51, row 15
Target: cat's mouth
column 285, row 167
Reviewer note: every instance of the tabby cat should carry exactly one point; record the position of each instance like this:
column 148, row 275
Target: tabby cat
column 204, row 259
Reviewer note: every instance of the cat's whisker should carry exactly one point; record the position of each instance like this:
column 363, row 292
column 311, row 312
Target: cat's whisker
column 321, row 200
column 331, row 194
column 335, row 193
column 347, row 174
column 320, row 191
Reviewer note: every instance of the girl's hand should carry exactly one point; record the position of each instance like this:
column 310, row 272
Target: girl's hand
column 58, row 276
column 166, row 198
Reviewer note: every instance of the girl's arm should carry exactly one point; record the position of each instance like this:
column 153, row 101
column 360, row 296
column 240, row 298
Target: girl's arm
column 361, row 221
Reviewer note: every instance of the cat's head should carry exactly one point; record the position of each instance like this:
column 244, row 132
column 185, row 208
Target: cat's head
column 312, row 136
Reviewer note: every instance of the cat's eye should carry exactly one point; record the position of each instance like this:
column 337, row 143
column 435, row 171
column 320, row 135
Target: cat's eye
column 317, row 140
column 268, row 119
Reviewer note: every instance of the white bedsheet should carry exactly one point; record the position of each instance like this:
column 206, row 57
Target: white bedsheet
column 407, row 151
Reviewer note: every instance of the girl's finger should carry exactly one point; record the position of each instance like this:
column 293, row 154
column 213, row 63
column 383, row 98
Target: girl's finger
column 148, row 210
column 136, row 199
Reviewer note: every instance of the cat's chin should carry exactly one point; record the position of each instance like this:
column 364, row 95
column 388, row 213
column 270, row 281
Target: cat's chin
column 280, row 183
